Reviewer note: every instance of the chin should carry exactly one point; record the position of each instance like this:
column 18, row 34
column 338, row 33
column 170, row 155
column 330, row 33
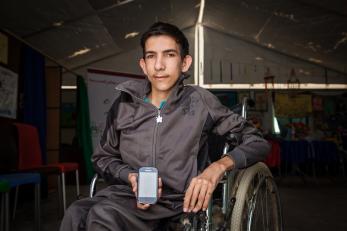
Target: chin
column 163, row 88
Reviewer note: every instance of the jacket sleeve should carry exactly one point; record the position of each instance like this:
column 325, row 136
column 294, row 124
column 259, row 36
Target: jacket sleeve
column 106, row 159
column 250, row 146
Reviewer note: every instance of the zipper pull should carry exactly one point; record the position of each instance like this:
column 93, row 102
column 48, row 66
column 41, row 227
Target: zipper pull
column 159, row 118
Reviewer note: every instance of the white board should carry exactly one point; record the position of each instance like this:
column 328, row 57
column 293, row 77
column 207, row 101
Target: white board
column 101, row 94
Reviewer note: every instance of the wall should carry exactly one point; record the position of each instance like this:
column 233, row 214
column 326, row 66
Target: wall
column 231, row 60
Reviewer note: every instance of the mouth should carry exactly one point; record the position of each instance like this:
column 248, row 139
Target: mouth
column 159, row 77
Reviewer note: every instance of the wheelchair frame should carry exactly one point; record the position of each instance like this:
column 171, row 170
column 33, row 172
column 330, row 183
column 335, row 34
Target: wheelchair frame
column 241, row 198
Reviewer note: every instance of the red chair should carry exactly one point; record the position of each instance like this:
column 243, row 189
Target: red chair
column 29, row 159
column 274, row 157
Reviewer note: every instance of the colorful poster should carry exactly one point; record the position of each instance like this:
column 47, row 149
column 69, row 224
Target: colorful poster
column 317, row 103
column 292, row 106
column 8, row 93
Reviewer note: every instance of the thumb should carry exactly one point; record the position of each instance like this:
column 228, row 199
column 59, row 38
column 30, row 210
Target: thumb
column 133, row 181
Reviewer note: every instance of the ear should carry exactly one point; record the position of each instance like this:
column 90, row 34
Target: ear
column 187, row 62
column 143, row 66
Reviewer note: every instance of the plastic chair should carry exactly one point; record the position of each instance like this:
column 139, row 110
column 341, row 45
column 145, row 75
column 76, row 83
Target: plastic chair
column 8, row 181
column 273, row 160
column 30, row 159
column 8, row 149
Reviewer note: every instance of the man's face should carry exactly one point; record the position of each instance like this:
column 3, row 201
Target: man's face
column 163, row 64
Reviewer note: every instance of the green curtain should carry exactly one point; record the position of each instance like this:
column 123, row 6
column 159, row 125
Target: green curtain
column 83, row 126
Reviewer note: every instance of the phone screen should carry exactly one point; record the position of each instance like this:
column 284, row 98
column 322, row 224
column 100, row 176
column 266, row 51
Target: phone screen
column 148, row 184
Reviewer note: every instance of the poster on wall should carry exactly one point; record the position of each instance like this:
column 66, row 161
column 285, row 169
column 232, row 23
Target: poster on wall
column 317, row 103
column 292, row 106
column 8, row 93
column 101, row 93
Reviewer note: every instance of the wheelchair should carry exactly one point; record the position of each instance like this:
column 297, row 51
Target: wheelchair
column 245, row 199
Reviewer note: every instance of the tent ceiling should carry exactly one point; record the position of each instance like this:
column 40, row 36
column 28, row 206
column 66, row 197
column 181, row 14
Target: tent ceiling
column 317, row 33
column 80, row 32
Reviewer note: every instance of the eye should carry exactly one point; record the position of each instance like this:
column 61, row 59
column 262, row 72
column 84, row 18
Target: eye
column 149, row 56
column 171, row 54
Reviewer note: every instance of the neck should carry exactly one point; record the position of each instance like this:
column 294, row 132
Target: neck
column 158, row 97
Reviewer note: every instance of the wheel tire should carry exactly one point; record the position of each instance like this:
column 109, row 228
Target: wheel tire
column 248, row 190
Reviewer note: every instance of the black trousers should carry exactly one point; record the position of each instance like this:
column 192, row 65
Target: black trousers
column 114, row 208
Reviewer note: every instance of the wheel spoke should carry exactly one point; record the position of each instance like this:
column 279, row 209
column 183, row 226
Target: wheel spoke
column 257, row 204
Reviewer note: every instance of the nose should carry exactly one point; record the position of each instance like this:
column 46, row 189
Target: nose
column 159, row 63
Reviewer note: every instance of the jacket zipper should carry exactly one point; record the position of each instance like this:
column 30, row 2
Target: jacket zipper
column 158, row 120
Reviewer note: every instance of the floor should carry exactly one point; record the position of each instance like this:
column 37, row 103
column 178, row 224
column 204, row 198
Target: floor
column 316, row 204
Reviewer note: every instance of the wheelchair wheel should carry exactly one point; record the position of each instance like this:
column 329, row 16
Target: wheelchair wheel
column 257, row 206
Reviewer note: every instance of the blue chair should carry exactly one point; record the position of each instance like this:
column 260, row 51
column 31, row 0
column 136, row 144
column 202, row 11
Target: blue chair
column 11, row 178
column 8, row 181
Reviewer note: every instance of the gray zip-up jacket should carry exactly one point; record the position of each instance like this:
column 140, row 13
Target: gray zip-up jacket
column 172, row 139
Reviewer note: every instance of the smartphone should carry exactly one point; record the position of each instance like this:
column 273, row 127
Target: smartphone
column 147, row 185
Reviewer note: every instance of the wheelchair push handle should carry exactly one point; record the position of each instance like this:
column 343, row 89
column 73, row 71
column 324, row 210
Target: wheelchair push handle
column 93, row 185
column 241, row 108
column 246, row 102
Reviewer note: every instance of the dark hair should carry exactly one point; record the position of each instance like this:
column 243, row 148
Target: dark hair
column 161, row 28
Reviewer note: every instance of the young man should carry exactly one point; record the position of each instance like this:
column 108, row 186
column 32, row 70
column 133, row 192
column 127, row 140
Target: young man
column 164, row 124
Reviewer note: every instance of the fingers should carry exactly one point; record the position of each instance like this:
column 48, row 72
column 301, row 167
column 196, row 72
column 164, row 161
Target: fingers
column 160, row 187
column 143, row 206
column 198, row 195
column 188, row 195
column 195, row 194
column 132, row 178
column 201, row 197
column 133, row 181
column 207, row 199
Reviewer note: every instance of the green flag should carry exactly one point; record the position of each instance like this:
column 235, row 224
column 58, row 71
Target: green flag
column 83, row 126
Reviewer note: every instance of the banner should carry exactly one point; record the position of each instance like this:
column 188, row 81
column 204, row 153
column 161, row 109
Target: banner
column 83, row 126
column 292, row 106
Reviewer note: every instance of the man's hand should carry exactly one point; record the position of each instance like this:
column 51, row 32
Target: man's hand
column 201, row 187
column 132, row 177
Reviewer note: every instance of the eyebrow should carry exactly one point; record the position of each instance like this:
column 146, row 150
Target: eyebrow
column 170, row 50
column 165, row 51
